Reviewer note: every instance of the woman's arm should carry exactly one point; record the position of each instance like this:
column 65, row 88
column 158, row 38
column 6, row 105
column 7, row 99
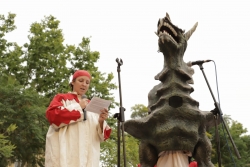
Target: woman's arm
column 106, row 130
column 61, row 111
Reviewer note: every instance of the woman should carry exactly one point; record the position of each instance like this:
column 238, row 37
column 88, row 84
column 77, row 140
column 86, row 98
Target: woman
column 72, row 141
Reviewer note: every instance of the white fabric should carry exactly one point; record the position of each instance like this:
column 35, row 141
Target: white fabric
column 76, row 144
column 172, row 159
column 70, row 105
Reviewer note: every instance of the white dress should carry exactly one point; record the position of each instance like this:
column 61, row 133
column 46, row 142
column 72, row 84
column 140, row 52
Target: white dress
column 70, row 141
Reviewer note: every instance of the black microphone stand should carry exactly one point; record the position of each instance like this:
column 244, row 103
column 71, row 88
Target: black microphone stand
column 218, row 115
column 120, row 118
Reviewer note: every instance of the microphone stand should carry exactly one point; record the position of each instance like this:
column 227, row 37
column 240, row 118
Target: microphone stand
column 120, row 119
column 218, row 115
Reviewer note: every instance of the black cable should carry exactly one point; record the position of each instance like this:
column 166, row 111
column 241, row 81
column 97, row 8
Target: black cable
column 221, row 115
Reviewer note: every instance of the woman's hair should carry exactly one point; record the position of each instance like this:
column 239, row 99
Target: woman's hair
column 71, row 85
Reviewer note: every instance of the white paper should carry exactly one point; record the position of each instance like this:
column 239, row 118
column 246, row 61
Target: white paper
column 96, row 104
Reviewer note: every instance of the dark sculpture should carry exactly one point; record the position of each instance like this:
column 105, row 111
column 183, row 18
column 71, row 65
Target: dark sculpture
column 175, row 121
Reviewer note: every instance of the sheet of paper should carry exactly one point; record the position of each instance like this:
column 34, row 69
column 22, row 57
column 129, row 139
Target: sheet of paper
column 96, row 104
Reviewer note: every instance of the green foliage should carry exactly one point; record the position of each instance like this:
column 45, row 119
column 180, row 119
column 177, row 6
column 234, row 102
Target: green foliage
column 30, row 76
column 9, row 51
column 82, row 58
column 132, row 150
column 6, row 148
column 240, row 139
column 50, row 63
column 131, row 143
column 25, row 109
column 7, row 24
column 46, row 69
column 109, row 148
column 46, row 64
column 139, row 111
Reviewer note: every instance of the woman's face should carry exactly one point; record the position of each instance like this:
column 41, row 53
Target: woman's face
column 81, row 85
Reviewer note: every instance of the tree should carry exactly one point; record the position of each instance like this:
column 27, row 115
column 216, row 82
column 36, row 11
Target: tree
column 139, row 111
column 46, row 69
column 9, row 51
column 24, row 108
column 42, row 68
column 6, row 148
column 132, row 150
column 50, row 63
column 109, row 148
column 228, row 156
column 131, row 143
column 101, row 83
column 6, row 26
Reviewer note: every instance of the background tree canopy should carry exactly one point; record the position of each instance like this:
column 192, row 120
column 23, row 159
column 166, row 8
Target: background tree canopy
column 30, row 76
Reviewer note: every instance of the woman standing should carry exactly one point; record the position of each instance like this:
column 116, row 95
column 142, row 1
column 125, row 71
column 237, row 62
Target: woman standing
column 72, row 141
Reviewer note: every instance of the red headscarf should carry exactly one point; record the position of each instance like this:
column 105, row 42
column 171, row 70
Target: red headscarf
column 79, row 73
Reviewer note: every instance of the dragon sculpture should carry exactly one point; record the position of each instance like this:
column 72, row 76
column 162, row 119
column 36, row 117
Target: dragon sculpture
column 175, row 121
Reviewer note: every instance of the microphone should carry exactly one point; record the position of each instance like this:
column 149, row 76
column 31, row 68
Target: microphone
column 199, row 62
column 84, row 112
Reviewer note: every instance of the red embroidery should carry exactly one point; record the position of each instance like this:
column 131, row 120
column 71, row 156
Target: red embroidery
column 107, row 133
column 56, row 115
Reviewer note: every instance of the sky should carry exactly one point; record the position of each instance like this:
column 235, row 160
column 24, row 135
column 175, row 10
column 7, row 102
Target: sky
column 125, row 29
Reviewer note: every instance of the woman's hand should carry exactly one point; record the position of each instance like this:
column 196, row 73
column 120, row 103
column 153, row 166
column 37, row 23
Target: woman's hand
column 83, row 103
column 103, row 116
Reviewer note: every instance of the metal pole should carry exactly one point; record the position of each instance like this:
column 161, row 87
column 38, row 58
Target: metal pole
column 120, row 118
column 220, row 117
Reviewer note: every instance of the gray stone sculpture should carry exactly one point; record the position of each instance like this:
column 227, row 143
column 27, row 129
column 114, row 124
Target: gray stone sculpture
column 175, row 121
